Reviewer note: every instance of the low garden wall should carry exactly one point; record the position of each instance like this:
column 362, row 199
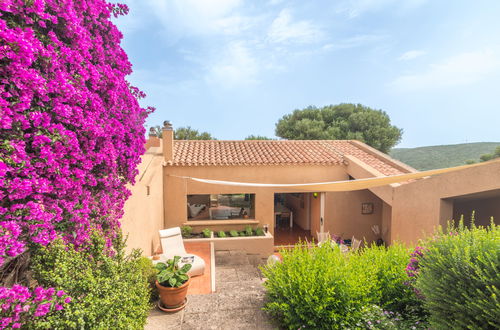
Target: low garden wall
column 261, row 245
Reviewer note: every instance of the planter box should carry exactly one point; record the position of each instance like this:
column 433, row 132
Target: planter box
column 261, row 245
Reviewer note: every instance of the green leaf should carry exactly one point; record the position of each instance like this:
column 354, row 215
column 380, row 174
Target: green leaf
column 186, row 268
column 161, row 266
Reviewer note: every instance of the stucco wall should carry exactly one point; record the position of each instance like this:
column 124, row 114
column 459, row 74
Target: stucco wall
column 386, row 222
column 315, row 211
column 300, row 209
column 143, row 212
column 343, row 214
column 177, row 188
column 419, row 207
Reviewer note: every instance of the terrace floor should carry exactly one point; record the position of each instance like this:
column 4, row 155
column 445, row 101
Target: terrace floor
column 200, row 284
column 236, row 304
column 286, row 236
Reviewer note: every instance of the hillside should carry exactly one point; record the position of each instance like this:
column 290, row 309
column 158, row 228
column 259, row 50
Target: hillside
column 427, row 158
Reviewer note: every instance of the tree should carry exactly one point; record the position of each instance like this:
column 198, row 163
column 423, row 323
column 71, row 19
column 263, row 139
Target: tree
column 257, row 137
column 493, row 155
column 340, row 122
column 71, row 127
column 157, row 130
column 184, row 133
column 187, row 133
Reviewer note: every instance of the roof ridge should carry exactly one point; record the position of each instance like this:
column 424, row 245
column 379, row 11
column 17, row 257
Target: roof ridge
column 277, row 152
column 382, row 156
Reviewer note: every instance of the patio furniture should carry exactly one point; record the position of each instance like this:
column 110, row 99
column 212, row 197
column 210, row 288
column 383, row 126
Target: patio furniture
column 323, row 237
column 355, row 243
column 284, row 212
column 173, row 245
column 195, row 209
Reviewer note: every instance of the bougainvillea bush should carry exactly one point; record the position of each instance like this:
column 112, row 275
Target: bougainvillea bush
column 21, row 305
column 71, row 128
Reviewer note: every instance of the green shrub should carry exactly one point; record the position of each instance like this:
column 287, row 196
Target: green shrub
column 186, row 231
column 149, row 273
column 109, row 290
column 248, row 231
column 207, row 233
column 375, row 317
column 221, row 233
column 394, row 293
column 260, row 231
column 242, row 233
column 323, row 288
column 233, row 233
column 318, row 288
column 459, row 277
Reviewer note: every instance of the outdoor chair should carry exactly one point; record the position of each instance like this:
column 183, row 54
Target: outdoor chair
column 355, row 244
column 323, row 237
column 173, row 245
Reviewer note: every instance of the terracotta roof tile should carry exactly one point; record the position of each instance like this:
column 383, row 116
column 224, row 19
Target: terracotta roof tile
column 271, row 152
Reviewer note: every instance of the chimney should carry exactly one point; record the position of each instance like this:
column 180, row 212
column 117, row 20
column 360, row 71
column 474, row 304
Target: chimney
column 153, row 139
column 168, row 141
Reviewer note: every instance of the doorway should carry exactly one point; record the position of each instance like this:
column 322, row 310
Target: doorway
column 292, row 218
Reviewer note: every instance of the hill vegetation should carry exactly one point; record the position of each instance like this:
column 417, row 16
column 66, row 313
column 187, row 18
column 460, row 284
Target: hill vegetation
column 432, row 157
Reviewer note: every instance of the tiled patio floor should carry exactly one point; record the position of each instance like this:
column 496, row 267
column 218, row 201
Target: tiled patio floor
column 200, row 284
column 284, row 236
column 236, row 304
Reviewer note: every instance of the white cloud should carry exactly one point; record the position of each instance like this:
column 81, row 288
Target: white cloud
column 275, row 2
column 354, row 8
column 355, row 41
column 410, row 55
column 462, row 69
column 284, row 30
column 237, row 67
column 200, row 16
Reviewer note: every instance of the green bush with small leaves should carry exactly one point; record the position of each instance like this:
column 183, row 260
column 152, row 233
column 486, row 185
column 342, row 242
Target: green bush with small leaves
column 186, row 231
column 221, row 234
column 149, row 273
column 324, row 288
column 394, row 294
column 109, row 288
column 207, row 233
column 233, row 233
column 459, row 277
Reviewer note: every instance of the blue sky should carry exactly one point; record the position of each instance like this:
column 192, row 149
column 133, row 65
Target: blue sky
column 234, row 67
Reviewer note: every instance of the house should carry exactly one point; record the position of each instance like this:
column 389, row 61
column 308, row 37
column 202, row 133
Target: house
column 166, row 196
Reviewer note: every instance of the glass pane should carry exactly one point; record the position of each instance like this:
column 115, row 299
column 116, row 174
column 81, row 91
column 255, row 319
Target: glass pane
column 221, row 207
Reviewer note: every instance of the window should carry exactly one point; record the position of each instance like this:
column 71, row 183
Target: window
column 221, row 206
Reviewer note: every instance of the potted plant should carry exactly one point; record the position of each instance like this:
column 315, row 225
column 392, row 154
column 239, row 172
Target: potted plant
column 172, row 282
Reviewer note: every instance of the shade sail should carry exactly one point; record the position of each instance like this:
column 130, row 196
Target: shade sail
column 349, row 185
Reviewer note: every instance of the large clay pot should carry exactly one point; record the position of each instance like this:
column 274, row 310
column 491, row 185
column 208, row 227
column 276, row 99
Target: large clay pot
column 173, row 297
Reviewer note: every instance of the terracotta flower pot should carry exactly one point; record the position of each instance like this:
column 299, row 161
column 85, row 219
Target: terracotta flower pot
column 173, row 297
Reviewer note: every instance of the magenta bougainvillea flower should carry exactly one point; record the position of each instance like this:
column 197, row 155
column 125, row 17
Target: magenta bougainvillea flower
column 71, row 133
column 71, row 127
column 19, row 303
